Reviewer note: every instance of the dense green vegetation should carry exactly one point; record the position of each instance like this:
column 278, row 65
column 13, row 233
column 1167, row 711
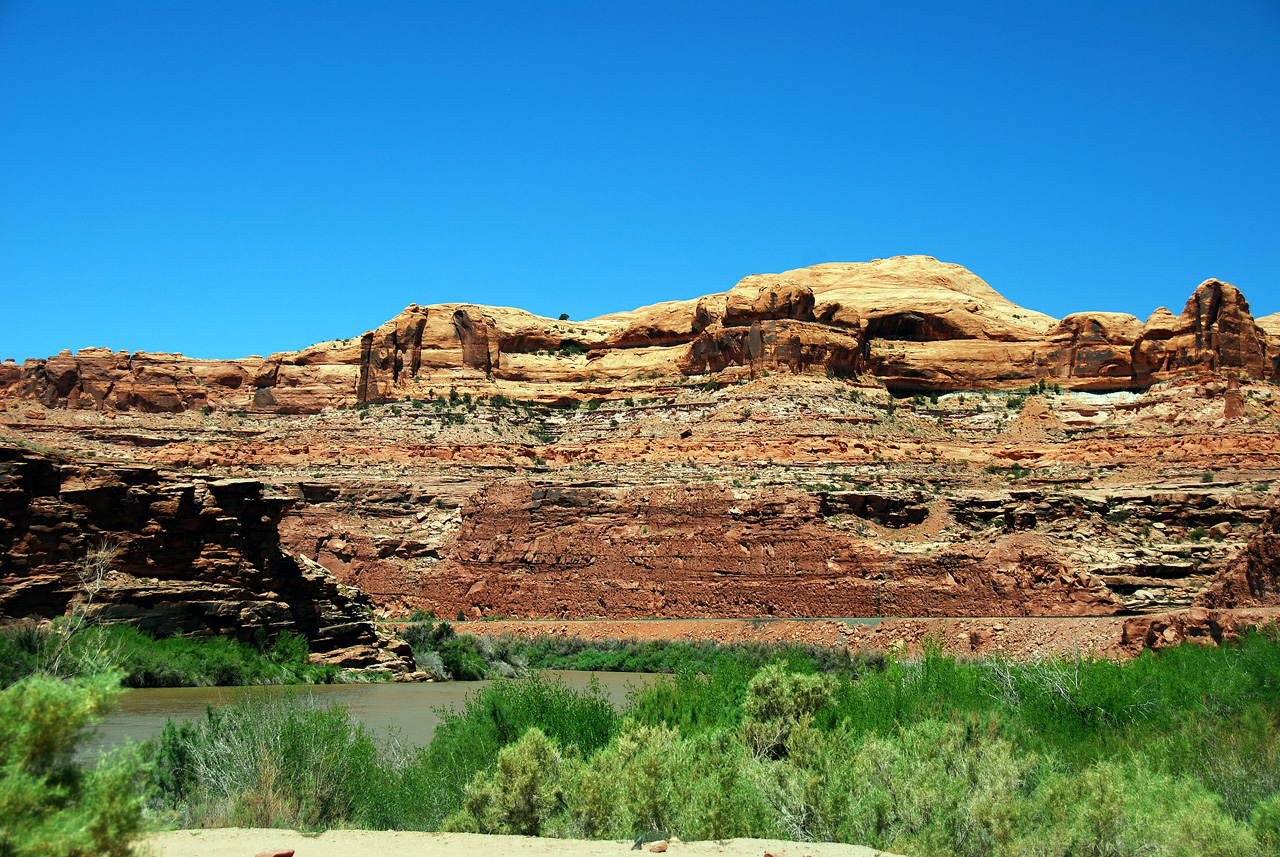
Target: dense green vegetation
column 1170, row 753
column 439, row 650
column 49, row 805
column 444, row 654
column 292, row 762
column 145, row 661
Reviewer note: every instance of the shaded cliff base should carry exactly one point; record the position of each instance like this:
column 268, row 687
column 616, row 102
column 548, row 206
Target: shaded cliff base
column 115, row 542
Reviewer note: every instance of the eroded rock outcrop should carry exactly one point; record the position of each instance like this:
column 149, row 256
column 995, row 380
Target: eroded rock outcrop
column 912, row 322
column 1253, row 579
column 298, row 382
column 195, row 557
column 1215, row 332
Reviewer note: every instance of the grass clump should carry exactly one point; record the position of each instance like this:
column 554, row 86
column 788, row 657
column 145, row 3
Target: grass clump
column 284, row 762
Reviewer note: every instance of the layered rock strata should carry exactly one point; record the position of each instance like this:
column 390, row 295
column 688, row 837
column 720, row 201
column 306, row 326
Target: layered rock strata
column 785, row 449
column 911, row 322
column 126, row 543
column 1253, row 580
column 695, row 551
column 522, row 547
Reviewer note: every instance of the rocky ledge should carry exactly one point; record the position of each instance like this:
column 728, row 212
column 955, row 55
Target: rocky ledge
column 130, row 543
column 891, row 438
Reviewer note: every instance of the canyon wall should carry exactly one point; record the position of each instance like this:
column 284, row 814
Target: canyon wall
column 912, row 323
column 631, row 547
column 787, row 448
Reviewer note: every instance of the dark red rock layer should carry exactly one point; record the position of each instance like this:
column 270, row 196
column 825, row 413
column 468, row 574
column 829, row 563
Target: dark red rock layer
column 1253, row 579
column 697, row 551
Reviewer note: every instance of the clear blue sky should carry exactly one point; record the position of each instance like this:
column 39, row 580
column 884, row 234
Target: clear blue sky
column 226, row 178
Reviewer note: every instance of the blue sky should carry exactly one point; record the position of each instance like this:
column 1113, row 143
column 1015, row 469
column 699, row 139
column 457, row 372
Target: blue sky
column 230, row 178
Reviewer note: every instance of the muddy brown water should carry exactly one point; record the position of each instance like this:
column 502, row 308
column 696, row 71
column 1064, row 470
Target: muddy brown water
column 410, row 712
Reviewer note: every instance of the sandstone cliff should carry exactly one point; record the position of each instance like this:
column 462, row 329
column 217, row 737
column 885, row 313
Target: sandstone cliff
column 195, row 557
column 911, row 323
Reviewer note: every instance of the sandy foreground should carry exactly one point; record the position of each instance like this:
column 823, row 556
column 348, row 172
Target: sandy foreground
column 245, row 842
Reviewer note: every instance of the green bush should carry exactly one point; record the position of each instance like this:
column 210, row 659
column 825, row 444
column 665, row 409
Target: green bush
column 439, row 650
column 25, row 649
column 1124, row 809
column 519, row 795
column 777, row 703
column 434, row 781
column 287, row 762
column 1266, row 825
column 167, row 662
column 49, row 804
column 933, row 788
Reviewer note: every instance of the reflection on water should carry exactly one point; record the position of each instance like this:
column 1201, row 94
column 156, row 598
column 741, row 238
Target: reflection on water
column 407, row 709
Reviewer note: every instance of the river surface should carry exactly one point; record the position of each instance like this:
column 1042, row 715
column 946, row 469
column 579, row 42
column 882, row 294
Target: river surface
column 409, row 711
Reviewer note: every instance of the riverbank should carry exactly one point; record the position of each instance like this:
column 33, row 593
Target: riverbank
column 405, row 713
column 68, row 648
column 237, row 842
column 1018, row 637
column 1173, row 751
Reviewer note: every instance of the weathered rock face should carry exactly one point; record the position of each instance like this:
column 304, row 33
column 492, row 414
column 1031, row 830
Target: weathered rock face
column 742, row 454
column 199, row 557
column 524, row 550
column 789, row 495
column 1093, row 347
column 98, row 379
column 1215, row 332
column 913, row 322
column 554, row 549
column 1196, row 625
column 1253, row 579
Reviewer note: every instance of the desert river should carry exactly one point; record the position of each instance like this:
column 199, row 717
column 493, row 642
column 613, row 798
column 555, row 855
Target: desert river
column 407, row 712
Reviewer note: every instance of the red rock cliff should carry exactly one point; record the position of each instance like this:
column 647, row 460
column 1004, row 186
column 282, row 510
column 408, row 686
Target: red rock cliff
column 913, row 322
